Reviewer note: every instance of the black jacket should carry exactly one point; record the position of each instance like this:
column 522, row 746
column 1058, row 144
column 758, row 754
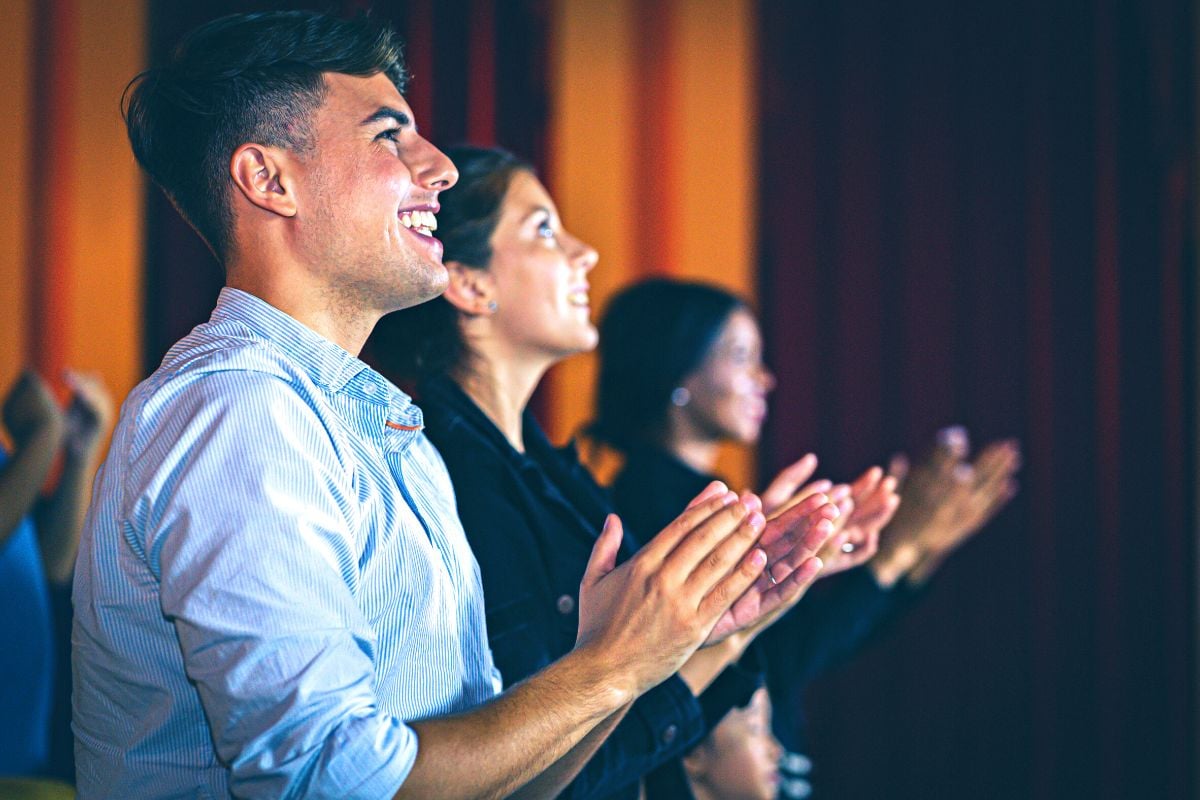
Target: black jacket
column 532, row 519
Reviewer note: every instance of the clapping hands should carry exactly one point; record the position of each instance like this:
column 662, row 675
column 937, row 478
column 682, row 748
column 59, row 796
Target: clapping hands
column 947, row 498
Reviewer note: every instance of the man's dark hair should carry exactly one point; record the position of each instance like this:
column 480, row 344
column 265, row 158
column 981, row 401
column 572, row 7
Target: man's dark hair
column 426, row 341
column 653, row 335
column 243, row 78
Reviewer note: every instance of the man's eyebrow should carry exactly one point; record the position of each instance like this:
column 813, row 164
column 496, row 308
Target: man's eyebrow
column 386, row 112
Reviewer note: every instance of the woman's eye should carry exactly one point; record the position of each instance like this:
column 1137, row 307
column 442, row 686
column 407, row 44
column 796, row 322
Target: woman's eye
column 544, row 230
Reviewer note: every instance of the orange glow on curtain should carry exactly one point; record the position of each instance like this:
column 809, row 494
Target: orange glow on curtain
column 71, row 233
column 652, row 142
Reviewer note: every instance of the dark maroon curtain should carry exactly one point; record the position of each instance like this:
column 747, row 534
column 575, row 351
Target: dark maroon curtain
column 983, row 213
column 478, row 75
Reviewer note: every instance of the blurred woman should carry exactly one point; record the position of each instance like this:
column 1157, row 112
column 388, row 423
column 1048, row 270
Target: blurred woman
column 518, row 302
column 681, row 374
column 739, row 760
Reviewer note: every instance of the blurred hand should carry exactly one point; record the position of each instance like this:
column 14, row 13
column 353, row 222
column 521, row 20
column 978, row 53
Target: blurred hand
column 88, row 415
column 647, row 616
column 30, row 409
column 946, row 499
column 866, row 506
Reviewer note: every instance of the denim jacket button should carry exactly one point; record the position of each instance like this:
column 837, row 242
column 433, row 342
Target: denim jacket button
column 566, row 604
column 669, row 733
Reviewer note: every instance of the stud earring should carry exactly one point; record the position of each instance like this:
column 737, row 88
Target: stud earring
column 680, row 396
column 492, row 306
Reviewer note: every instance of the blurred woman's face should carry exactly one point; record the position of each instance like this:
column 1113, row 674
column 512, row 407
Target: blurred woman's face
column 728, row 392
column 740, row 758
column 540, row 273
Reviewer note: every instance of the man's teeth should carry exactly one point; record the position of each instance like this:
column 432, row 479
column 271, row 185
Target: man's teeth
column 578, row 298
column 423, row 221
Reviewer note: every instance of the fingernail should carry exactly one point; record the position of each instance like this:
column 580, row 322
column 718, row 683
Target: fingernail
column 758, row 558
column 751, row 502
column 757, row 520
column 839, row 492
column 729, row 498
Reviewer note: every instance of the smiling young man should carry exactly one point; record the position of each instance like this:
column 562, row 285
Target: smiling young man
column 274, row 596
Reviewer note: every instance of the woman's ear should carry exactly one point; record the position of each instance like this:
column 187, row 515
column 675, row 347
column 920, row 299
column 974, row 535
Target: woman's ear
column 262, row 175
column 472, row 291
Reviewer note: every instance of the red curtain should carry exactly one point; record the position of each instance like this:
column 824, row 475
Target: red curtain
column 478, row 74
column 983, row 213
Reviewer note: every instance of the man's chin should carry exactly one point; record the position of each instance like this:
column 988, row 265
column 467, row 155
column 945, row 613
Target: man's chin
column 423, row 285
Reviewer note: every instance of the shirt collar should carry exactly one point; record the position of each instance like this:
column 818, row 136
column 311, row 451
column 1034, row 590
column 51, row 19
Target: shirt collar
column 329, row 365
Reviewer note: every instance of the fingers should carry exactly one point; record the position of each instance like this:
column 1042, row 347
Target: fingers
column 866, row 483
column 787, row 482
column 711, row 550
column 787, row 524
column 1001, row 499
column 727, row 590
column 604, row 553
column 996, row 463
column 832, row 548
column 670, row 536
column 790, row 589
column 898, row 467
column 877, row 508
column 816, row 487
column 806, row 540
column 714, row 489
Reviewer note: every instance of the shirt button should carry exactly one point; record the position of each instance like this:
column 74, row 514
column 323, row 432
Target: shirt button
column 669, row 733
column 796, row 789
column 797, row 763
column 566, row 604
column 369, row 388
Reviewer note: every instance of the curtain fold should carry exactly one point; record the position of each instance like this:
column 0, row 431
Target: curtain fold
column 982, row 213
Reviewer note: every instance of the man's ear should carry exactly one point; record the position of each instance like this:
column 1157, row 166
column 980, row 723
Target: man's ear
column 470, row 290
column 261, row 174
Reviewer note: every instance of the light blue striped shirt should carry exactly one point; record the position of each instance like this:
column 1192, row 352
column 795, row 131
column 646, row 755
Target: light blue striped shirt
column 272, row 576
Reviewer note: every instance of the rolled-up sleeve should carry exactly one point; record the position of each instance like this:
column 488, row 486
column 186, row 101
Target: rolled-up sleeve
column 255, row 543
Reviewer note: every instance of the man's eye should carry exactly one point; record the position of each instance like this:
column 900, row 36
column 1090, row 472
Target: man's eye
column 544, row 230
column 391, row 134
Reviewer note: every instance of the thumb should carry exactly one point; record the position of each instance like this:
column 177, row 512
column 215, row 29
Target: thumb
column 604, row 553
column 788, row 481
